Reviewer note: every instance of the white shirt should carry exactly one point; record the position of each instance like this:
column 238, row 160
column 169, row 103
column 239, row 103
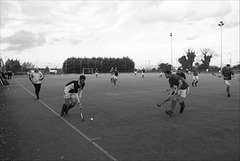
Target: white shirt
column 36, row 78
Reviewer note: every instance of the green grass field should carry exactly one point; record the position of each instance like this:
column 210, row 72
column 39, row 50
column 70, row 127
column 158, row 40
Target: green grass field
column 127, row 124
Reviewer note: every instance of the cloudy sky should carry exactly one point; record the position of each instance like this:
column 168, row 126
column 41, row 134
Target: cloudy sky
column 47, row 32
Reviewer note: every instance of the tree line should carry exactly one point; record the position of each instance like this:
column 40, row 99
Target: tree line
column 188, row 59
column 103, row 65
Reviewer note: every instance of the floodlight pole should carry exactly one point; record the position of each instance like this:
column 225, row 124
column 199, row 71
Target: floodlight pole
column 171, row 50
column 221, row 25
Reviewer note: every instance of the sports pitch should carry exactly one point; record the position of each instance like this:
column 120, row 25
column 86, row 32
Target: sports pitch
column 127, row 124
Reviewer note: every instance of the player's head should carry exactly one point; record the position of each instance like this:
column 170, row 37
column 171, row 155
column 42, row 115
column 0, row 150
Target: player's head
column 179, row 70
column 167, row 73
column 36, row 69
column 82, row 78
column 228, row 66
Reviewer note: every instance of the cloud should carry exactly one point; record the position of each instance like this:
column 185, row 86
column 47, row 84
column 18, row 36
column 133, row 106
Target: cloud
column 74, row 41
column 179, row 11
column 23, row 40
column 7, row 13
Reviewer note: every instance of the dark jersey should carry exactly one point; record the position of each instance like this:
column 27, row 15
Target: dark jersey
column 173, row 81
column 227, row 74
column 73, row 86
column 116, row 73
column 181, row 74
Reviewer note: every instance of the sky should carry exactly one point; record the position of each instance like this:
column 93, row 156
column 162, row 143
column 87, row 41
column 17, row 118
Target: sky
column 47, row 32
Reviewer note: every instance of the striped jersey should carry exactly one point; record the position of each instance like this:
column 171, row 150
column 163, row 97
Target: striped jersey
column 73, row 86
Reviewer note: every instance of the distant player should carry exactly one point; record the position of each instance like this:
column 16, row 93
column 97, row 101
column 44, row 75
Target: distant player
column 115, row 76
column 96, row 72
column 111, row 75
column 195, row 77
column 180, row 73
column 176, row 94
column 72, row 94
column 227, row 74
column 135, row 72
column 36, row 78
column 143, row 73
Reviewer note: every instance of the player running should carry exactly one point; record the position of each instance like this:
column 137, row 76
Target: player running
column 135, row 71
column 227, row 74
column 115, row 76
column 72, row 94
column 111, row 75
column 96, row 72
column 143, row 73
column 195, row 77
column 176, row 94
column 36, row 78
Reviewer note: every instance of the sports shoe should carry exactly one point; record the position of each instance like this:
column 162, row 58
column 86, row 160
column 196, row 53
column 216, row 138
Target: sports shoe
column 228, row 95
column 66, row 112
column 182, row 107
column 62, row 113
column 63, row 110
column 169, row 112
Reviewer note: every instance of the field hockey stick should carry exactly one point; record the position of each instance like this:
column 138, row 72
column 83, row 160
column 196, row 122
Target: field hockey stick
column 168, row 99
column 159, row 105
column 81, row 114
column 214, row 74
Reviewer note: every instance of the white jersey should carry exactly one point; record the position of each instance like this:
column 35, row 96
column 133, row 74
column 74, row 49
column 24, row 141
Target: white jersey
column 36, row 78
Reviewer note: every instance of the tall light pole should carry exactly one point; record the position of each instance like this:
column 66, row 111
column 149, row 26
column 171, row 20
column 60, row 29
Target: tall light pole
column 171, row 49
column 221, row 25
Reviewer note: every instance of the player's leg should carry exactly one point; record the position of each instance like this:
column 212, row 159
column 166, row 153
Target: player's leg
column 173, row 104
column 196, row 81
column 227, row 82
column 112, row 77
column 36, row 86
column 183, row 95
column 115, row 80
column 64, row 106
column 72, row 103
column 193, row 81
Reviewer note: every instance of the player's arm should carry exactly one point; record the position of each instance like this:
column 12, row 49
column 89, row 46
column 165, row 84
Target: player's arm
column 31, row 78
column 171, row 91
column 232, row 74
column 220, row 75
column 180, row 84
column 80, row 93
column 41, row 76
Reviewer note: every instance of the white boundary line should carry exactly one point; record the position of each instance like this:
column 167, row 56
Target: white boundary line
column 78, row 131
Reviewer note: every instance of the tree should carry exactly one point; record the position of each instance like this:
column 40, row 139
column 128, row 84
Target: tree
column 207, row 56
column 46, row 70
column 187, row 61
column 191, row 56
column 184, row 62
column 76, row 65
column 164, row 66
column 13, row 65
column 26, row 66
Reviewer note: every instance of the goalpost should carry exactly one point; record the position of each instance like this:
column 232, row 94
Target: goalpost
column 87, row 71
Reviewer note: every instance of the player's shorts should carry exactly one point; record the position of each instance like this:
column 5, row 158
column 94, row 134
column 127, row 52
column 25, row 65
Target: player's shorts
column 195, row 77
column 66, row 94
column 183, row 92
column 115, row 77
column 227, row 82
